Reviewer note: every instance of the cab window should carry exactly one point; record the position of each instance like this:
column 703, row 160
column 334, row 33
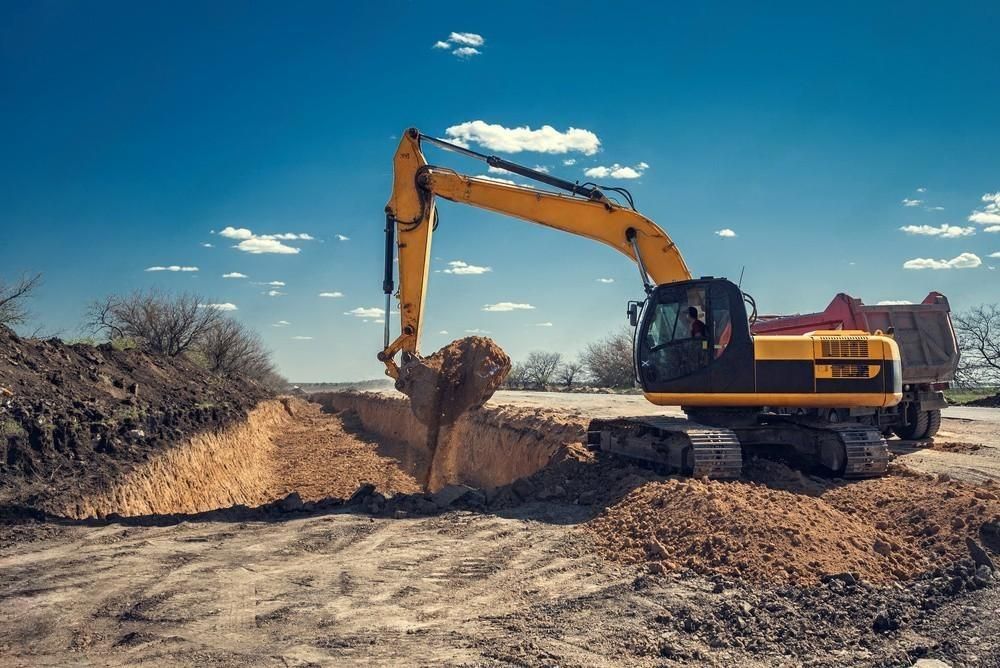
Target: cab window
column 688, row 329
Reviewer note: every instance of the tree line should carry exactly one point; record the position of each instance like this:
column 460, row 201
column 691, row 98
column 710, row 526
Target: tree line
column 163, row 324
column 187, row 325
column 603, row 363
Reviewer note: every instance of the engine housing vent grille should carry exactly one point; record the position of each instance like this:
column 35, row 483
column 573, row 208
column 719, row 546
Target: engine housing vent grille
column 846, row 347
column 849, row 370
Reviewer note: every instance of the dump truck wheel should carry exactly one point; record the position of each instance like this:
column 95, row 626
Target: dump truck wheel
column 933, row 423
column 916, row 425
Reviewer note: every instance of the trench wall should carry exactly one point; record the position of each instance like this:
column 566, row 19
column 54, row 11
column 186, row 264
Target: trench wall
column 211, row 470
column 487, row 447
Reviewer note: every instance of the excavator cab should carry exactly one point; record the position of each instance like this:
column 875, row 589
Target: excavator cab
column 693, row 337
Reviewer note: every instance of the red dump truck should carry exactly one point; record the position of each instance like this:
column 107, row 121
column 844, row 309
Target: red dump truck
column 927, row 345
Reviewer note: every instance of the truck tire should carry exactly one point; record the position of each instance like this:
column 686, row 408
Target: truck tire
column 933, row 423
column 916, row 424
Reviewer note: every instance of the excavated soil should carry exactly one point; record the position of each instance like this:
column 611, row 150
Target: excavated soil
column 563, row 556
column 776, row 525
column 986, row 402
column 76, row 418
column 896, row 528
column 461, row 376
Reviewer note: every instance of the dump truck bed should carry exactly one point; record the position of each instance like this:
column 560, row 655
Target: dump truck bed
column 924, row 331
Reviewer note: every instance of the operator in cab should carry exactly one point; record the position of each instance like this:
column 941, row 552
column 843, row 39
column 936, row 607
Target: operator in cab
column 698, row 329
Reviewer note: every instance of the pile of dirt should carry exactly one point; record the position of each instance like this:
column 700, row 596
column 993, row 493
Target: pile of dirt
column 75, row 417
column 934, row 514
column 748, row 531
column 462, row 375
column 986, row 402
column 784, row 526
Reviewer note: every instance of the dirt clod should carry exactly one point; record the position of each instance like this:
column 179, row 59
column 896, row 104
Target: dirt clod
column 462, row 375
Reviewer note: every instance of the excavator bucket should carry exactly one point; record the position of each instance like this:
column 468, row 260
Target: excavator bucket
column 462, row 375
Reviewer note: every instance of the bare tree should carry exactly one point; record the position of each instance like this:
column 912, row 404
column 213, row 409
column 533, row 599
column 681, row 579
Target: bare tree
column 568, row 373
column 229, row 348
column 517, row 379
column 163, row 324
column 13, row 296
column 540, row 367
column 978, row 332
column 609, row 361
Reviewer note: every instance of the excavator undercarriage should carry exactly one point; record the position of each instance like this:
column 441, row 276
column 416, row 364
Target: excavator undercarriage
column 678, row 445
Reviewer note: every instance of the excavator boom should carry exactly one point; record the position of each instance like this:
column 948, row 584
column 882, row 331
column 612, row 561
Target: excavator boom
column 411, row 217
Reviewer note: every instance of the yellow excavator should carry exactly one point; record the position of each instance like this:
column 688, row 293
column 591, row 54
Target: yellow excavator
column 692, row 347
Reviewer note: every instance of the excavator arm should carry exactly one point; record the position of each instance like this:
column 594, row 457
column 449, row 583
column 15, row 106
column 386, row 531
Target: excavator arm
column 587, row 212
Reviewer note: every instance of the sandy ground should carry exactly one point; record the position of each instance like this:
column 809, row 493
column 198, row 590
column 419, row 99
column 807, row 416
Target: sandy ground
column 520, row 588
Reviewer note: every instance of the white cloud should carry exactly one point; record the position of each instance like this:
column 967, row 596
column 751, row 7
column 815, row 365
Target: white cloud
column 725, row 233
column 286, row 236
column 569, row 162
column 912, row 202
column 277, row 284
column 234, row 274
column 605, row 280
column 495, row 179
column 992, row 228
column 331, row 295
column 236, row 233
column 302, row 338
column 500, row 307
column 258, row 246
column 894, row 302
column 546, row 139
column 466, row 52
column 207, row 245
column 477, row 331
column 437, row 45
column 281, row 323
column 543, row 324
column 542, row 168
column 990, row 214
column 341, row 237
column 997, row 254
column 962, row 261
column 362, row 312
column 173, row 267
column 466, row 39
column 264, row 243
column 443, row 331
column 616, row 171
column 945, row 231
column 226, row 306
column 273, row 293
column 935, row 208
column 919, row 190
column 465, row 269
column 497, row 170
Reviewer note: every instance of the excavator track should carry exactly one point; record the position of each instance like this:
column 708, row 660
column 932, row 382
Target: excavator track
column 675, row 444
column 866, row 449
column 848, row 450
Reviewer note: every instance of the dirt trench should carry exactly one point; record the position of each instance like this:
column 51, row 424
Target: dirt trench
column 485, row 448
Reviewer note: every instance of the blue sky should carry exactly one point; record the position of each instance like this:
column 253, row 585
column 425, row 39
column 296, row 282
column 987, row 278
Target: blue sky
column 130, row 131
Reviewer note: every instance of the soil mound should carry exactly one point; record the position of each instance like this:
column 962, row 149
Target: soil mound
column 748, row 531
column 74, row 417
column 784, row 526
column 462, row 375
column 986, row 402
